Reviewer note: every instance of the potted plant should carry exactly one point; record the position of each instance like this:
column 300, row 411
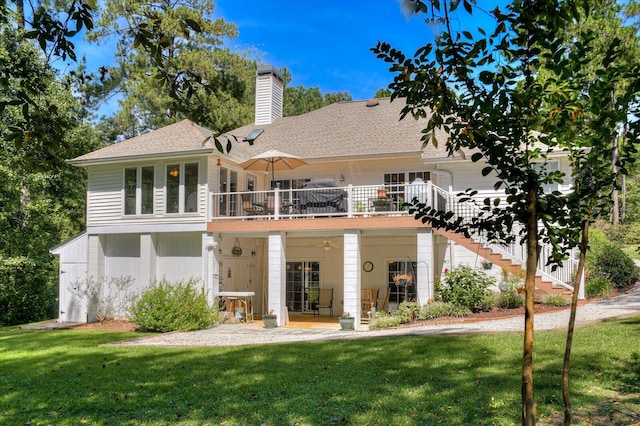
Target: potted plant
column 347, row 322
column 270, row 319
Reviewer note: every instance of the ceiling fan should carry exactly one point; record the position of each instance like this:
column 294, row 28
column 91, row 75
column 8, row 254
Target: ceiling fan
column 328, row 245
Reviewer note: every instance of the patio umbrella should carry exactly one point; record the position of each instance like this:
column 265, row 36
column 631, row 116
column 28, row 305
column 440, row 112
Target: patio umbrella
column 273, row 160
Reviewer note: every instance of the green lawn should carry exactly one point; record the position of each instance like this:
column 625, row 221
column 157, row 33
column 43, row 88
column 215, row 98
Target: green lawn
column 65, row 377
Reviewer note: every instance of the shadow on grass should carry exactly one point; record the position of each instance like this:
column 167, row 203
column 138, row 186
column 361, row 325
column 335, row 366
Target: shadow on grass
column 63, row 377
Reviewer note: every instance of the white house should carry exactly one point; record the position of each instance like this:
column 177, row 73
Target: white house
column 168, row 204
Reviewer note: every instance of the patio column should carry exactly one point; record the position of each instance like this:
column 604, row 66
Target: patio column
column 148, row 259
column 277, row 275
column 425, row 284
column 352, row 282
column 210, row 267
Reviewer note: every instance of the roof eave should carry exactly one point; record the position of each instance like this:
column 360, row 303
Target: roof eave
column 138, row 157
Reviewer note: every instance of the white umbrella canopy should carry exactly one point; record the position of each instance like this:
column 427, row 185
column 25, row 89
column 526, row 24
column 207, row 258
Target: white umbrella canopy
column 273, row 160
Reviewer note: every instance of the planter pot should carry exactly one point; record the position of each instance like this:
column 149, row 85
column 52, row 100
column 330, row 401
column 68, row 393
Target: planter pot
column 382, row 193
column 347, row 323
column 487, row 265
column 270, row 321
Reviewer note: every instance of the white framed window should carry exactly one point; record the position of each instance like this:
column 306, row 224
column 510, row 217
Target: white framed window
column 181, row 187
column 138, row 190
column 548, row 167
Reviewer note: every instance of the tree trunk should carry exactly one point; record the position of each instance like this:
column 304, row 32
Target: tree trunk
column 20, row 13
column 615, row 211
column 572, row 321
column 528, row 399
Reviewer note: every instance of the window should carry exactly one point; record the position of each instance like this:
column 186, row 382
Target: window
column 181, row 194
column 138, row 190
column 303, row 282
column 228, row 188
column 403, row 290
column 288, row 189
column 548, row 167
column 395, row 183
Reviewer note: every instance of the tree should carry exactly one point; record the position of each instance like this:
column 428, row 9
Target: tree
column 382, row 93
column 172, row 66
column 483, row 90
column 300, row 100
column 41, row 201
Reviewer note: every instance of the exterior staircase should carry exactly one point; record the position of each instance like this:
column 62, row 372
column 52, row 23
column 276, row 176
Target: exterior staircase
column 512, row 257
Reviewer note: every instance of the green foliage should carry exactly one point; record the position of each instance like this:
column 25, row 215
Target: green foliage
column 465, row 286
column 598, row 287
column 407, row 312
column 26, row 292
column 442, row 309
column 169, row 306
column 607, row 260
column 384, row 320
column 555, row 300
column 510, row 299
column 186, row 386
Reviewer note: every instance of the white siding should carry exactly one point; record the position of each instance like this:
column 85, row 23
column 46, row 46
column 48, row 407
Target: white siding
column 180, row 256
column 104, row 198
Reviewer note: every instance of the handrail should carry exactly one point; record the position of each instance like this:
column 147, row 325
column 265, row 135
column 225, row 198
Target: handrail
column 514, row 251
column 371, row 200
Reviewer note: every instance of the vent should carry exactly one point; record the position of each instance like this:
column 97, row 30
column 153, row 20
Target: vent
column 372, row 103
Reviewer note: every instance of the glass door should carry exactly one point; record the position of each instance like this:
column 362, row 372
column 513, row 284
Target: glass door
column 401, row 280
column 303, row 282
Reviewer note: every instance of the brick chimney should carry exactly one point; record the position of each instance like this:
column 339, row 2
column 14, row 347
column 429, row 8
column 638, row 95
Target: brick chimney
column 269, row 93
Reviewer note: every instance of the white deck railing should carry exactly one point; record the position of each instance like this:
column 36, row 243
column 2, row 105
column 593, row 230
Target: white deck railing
column 515, row 251
column 369, row 200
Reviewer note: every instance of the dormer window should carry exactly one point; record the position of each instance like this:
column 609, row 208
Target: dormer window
column 138, row 190
column 181, row 188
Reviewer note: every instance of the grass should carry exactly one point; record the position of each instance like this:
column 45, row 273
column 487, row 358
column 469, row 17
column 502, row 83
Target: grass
column 65, row 377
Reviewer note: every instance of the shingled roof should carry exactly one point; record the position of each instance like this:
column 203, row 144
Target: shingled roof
column 344, row 129
column 341, row 130
column 183, row 137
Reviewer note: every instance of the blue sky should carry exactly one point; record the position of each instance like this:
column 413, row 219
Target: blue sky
column 327, row 43
column 324, row 43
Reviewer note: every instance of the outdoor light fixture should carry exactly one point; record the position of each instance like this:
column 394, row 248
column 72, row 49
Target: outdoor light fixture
column 173, row 172
column 341, row 178
column 219, row 162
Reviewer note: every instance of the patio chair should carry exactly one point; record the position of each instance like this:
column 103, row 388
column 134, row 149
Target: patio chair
column 383, row 304
column 271, row 204
column 367, row 299
column 325, row 301
column 249, row 207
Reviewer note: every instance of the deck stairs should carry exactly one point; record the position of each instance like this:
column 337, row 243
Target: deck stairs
column 511, row 258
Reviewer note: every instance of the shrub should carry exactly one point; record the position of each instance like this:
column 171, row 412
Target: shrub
column 442, row 309
column 608, row 261
column 489, row 302
column 26, row 290
column 555, row 300
column 407, row 312
column 510, row 299
column 173, row 307
column 598, row 287
column 464, row 286
column 384, row 320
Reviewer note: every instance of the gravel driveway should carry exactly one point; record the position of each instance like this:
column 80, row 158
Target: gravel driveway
column 625, row 305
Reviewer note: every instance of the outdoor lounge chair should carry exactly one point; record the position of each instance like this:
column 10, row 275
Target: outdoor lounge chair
column 249, row 207
column 383, row 304
column 325, row 301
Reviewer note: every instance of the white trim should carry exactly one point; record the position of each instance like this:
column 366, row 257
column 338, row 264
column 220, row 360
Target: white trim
column 142, row 228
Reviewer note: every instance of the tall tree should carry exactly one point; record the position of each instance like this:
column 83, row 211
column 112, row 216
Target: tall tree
column 483, row 90
column 299, row 99
column 171, row 65
column 41, row 201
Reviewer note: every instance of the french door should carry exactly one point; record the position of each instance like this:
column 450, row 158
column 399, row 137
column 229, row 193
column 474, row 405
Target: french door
column 303, row 282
